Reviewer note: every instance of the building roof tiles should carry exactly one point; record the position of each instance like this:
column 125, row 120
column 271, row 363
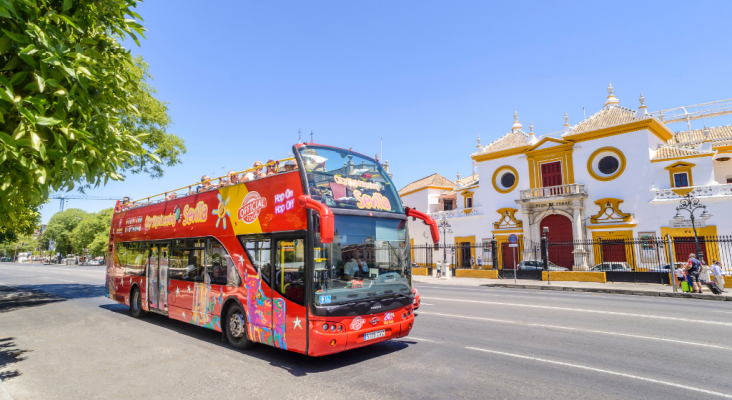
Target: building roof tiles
column 432, row 180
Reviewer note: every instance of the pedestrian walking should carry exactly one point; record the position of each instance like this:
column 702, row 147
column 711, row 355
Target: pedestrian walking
column 480, row 262
column 680, row 277
column 716, row 270
column 439, row 270
column 472, row 262
column 693, row 268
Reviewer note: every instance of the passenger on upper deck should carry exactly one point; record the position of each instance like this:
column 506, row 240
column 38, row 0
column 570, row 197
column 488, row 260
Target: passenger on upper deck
column 125, row 204
column 206, row 184
column 271, row 168
column 252, row 175
column 289, row 166
column 171, row 196
column 233, row 178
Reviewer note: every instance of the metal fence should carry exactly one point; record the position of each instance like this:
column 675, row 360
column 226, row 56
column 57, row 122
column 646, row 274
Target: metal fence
column 641, row 260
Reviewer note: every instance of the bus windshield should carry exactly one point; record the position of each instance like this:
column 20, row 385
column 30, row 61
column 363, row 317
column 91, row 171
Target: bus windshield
column 367, row 260
column 343, row 179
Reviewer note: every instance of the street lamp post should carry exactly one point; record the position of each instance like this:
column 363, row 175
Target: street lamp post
column 444, row 226
column 691, row 204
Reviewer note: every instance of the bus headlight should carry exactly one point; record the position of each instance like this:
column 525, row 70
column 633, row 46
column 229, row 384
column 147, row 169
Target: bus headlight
column 332, row 328
column 340, row 328
column 325, row 327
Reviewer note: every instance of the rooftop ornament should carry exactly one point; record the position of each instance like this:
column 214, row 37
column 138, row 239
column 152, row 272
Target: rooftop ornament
column 516, row 124
column 611, row 100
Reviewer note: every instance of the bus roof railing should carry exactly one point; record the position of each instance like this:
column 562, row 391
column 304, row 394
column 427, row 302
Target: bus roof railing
column 147, row 200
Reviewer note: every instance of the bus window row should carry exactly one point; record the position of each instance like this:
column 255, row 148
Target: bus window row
column 187, row 259
column 281, row 266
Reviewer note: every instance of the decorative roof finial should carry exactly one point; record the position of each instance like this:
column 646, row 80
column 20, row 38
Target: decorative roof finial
column 458, row 175
column 660, row 115
column 611, row 100
column 479, row 147
column 706, row 132
column 478, row 140
column 531, row 127
column 642, row 100
column 516, row 124
column 566, row 119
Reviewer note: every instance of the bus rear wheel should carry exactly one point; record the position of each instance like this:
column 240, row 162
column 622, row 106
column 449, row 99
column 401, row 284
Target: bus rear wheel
column 236, row 328
column 136, row 304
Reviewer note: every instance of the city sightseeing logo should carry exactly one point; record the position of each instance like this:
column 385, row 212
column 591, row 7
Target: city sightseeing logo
column 251, row 206
column 357, row 323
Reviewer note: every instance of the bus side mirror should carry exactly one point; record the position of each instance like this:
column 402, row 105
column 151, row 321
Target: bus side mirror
column 429, row 221
column 326, row 217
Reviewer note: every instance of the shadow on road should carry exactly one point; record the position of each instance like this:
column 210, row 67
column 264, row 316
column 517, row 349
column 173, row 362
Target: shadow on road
column 294, row 363
column 26, row 296
column 10, row 355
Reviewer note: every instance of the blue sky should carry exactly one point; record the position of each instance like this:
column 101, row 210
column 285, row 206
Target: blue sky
column 427, row 77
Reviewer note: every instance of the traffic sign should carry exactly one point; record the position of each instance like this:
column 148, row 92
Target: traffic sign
column 512, row 238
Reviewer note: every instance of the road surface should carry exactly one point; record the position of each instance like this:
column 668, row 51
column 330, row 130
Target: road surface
column 61, row 339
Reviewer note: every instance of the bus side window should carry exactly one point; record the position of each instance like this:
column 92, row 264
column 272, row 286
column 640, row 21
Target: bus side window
column 177, row 260
column 120, row 253
column 258, row 251
column 290, row 269
column 216, row 262
column 136, row 258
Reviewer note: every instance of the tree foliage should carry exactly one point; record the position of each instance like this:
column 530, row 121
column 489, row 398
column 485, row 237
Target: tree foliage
column 74, row 230
column 60, row 228
column 69, row 102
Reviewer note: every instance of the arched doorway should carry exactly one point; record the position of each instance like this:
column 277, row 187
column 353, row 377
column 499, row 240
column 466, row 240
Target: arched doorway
column 560, row 239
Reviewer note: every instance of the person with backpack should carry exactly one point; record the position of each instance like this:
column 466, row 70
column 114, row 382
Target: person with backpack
column 694, row 270
column 718, row 277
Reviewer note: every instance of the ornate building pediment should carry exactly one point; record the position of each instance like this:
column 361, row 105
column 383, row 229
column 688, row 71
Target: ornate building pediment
column 508, row 219
column 610, row 212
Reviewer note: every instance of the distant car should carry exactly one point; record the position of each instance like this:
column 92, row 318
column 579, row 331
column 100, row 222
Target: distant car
column 416, row 297
column 532, row 265
column 612, row 267
column 96, row 262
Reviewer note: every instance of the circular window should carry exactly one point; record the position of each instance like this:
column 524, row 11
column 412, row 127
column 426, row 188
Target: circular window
column 505, row 179
column 508, row 179
column 606, row 164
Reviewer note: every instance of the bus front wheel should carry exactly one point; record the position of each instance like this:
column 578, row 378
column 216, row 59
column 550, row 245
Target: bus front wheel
column 136, row 304
column 236, row 328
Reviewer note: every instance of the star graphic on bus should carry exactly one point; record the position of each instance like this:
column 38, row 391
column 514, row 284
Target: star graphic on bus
column 189, row 288
column 241, row 259
column 222, row 212
column 177, row 291
column 297, row 323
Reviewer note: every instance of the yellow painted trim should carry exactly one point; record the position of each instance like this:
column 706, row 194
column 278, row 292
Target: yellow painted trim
column 657, row 128
column 495, row 175
column 506, row 232
column 621, row 168
column 614, row 206
column 681, row 167
column 411, row 248
column 466, row 194
column 500, row 154
column 561, row 153
column 476, row 273
column 509, row 213
column 469, row 239
column 426, row 187
column 576, row 276
column 683, row 158
column 713, row 252
column 500, row 239
column 561, row 146
column 612, row 226
column 419, row 271
column 614, row 235
column 682, row 191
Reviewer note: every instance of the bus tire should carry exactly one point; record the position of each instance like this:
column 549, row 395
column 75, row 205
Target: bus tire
column 236, row 328
column 136, row 304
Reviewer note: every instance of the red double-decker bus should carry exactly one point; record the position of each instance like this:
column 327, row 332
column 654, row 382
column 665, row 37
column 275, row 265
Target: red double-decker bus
column 313, row 257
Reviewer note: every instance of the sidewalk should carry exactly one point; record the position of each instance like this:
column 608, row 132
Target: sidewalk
column 637, row 289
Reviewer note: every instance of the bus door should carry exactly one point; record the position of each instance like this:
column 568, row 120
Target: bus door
column 288, row 297
column 157, row 277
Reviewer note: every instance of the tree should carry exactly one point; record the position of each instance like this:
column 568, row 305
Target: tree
column 68, row 102
column 89, row 228
column 60, row 229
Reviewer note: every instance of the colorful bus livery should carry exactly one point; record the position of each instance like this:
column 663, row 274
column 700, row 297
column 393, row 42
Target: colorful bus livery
column 257, row 260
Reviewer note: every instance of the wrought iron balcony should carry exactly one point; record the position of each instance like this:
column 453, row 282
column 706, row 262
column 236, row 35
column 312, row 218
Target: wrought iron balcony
column 553, row 191
column 696, row 191
column 457, row 213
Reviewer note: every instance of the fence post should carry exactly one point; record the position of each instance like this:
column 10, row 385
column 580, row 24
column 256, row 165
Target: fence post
column 494, row 252
column 545, row 254
column 672, row 261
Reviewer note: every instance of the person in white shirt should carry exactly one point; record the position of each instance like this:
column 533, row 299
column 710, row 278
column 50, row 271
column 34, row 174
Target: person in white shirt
column 351, row 267
column 680, row 276
column 716, row 270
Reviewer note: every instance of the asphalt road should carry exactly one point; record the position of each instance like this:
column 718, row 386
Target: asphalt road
column 60, row 338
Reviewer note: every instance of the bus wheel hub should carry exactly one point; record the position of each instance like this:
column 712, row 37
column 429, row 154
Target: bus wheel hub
column 236, row 325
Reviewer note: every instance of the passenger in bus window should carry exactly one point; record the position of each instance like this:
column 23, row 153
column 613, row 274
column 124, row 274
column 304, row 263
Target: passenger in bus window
column 171, row 196
column 125, row 203
column 271, row 168
column 206, row 184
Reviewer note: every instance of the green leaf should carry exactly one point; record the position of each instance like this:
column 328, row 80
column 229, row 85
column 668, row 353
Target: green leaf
column 46, row 121
column 28, row 59
column 12, row 64
column 7, row 139
column 6, row 96
column 6, row 83
column 4, row 12
column 20, row 38
column 41, row 83
column 5, row 44
column 18, row 77
column 52, row 82
column 35, row 140
column 68, row 4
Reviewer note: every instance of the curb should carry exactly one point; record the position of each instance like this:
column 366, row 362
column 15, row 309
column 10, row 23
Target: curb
column 614, row 291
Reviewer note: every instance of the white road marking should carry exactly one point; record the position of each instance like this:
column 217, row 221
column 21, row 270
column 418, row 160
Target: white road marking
column 414, row 338
column 685, row 320
column 726, row 312
column 604, row 371
column 56, row 279
column 425, row 304
column 685, row 343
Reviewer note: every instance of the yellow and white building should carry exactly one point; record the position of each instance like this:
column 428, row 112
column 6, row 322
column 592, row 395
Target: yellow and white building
column 618, row 174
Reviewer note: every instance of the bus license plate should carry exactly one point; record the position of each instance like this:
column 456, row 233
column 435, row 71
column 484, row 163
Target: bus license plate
column 374, row 335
